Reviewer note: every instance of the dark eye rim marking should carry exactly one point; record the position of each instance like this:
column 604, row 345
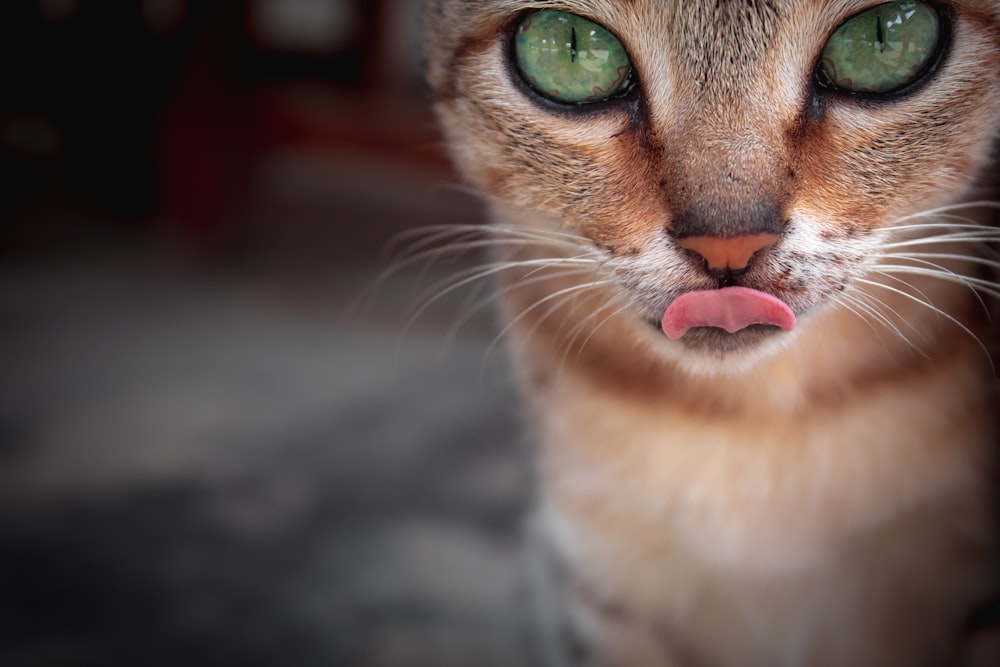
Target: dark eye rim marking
column 823, row 86
column 628, row 92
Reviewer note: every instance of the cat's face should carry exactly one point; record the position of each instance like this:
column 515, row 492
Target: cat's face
column 728, row 122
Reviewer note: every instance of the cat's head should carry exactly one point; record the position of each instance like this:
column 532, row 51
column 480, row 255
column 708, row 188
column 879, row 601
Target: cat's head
column 771, row 145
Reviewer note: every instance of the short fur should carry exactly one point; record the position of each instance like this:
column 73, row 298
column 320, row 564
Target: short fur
column 824, row 497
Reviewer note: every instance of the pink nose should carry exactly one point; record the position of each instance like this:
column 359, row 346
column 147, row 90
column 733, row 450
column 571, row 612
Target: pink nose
column 733, row 254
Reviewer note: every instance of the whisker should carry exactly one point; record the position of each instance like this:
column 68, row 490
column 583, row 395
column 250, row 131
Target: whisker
column 935, row 270
column 582, row 323
column 449, row 243
column 433, row 242
column 947, row 208
column 885, row 310
column 440, row 232
column 499, row 293
column 920, row 293
column 425, row 246
column 929, row 306
column 940, row 221
column 445, row 287
column 977, row 285
column 972, row 259
column 433, row 256
column 570, row 296
column 472, row 304
column 540, row 302
column 956, row 238
column 866, row 311
column 593, row 330
column 945, row 221
column 572, row 303
column 876, row 310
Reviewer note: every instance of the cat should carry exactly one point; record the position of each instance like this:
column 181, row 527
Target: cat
column 742, row 256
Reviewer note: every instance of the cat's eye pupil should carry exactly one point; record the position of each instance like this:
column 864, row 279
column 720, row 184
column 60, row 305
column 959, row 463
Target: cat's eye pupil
column 882, row 49
column 570, row 59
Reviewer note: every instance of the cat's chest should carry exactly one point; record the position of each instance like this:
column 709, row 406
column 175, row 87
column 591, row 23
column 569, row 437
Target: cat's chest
column 786, row 528
column 761, row 492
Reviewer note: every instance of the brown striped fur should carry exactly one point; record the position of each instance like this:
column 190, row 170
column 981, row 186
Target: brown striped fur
column 823, row 497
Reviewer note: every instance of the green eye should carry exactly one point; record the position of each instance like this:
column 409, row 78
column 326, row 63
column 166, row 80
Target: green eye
column 882, row 49
column 570, row 59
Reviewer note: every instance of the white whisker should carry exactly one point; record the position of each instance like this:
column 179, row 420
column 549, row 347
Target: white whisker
column 875, row 310
column 448, row 242
column 976, row 285
column 948, row 208
column 500, row 292
column 972, row 259
column 957, row 237
column 594, row 329
column 445, row 287
column 929, row 306
column 861, row 310
column 562, row 293
column 906, row 284
column 572, row 303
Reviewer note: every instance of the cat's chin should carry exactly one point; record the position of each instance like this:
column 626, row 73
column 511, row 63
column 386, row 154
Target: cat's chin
column 713, row 340
column 713, row 351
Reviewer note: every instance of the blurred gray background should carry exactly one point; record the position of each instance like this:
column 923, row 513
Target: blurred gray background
column 222, row 440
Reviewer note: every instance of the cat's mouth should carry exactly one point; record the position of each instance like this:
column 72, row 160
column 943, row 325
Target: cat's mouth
column 729, row 309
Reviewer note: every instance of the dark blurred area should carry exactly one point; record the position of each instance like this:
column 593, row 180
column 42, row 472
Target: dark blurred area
column 169, row 109
column 210, row 453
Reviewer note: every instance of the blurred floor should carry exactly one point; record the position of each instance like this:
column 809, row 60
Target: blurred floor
column 208, row 458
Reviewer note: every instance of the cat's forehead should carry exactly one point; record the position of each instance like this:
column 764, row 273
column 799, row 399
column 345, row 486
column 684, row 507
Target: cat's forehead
column 708, row 18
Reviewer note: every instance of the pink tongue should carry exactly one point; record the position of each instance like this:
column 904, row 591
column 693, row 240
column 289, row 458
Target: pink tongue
column 729, row 308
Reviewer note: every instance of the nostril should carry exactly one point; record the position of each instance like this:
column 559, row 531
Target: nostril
column 727, row 254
